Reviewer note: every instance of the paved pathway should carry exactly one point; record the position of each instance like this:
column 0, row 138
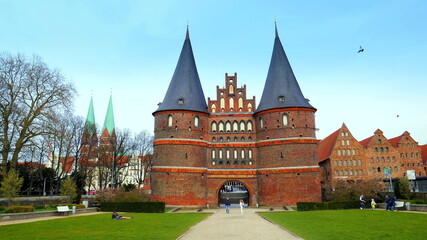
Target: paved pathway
column 45, row 218
column 234, row 226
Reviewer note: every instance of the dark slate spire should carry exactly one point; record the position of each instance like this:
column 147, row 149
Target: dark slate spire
column 185, row 91
column 281, row 88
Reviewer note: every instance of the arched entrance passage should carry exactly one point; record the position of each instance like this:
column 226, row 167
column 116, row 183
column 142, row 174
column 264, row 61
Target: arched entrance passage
column 235, row 191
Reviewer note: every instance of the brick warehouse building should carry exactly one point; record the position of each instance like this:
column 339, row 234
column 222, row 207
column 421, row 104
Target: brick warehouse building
column 204, row 153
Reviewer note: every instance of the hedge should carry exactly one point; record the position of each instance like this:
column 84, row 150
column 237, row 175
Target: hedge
column 146, row 207
column 19, row 209
column 312, row 206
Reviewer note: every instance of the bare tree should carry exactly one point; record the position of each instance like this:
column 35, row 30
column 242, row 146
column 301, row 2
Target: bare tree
column 30, row 94
column 113, row 158
column 144, row 149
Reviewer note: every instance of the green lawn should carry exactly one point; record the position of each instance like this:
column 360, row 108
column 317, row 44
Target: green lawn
column 101, row 226
column 352, row 224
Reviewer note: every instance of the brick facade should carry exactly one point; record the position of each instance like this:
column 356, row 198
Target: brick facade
column 342, row 157
column 272, row 153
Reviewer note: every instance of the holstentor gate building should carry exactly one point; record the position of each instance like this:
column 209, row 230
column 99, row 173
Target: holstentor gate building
column 203, row 153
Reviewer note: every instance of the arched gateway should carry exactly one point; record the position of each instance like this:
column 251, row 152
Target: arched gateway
column 234, row 190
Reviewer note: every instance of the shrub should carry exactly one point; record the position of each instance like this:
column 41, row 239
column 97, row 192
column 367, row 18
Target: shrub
column 312, row 206
column 11, row 185
column 119, row 195
column 69, row 189
column 418, row 202
column 19, row 209
column 401, row 188
column 146, row 207
column 2, row 209
column 347, row 191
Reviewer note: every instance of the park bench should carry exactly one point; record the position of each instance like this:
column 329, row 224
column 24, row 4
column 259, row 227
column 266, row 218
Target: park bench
column 63, row 210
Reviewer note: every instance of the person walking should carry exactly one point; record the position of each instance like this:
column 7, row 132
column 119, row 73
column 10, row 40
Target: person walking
column 241, row 206
column 373, row 204
column 362, row 201
column 387, row 203
column 227, row 205
column 393, row 203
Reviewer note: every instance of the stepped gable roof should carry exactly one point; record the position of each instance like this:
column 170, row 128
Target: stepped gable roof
column 109, row 118
column 281, row 89
column 324, row 148
column 90, row 119
column 424, row 153
column 396, row 140
column 185, row 90
column 366, row 141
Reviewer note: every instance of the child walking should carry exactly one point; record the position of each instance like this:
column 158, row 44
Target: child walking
column 373, row 204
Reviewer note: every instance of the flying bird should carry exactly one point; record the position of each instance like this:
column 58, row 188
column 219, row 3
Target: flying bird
column 360, row 50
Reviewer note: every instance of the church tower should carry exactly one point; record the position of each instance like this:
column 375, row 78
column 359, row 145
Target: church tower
column 89, row 142
column 287, row 147
column 180, row 130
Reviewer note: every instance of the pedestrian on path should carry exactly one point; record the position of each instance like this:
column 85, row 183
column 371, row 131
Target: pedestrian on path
column 227, row 205
column 362, row 201
column 373, row 204
column 241, row 206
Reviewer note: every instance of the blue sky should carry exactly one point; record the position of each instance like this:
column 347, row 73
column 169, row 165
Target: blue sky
column 131, row 48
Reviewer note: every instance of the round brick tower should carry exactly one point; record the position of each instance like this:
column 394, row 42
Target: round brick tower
column 180, row 131
column 288, row 171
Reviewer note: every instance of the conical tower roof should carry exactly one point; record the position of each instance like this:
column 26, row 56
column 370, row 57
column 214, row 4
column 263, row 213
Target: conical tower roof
column 109, row 118
column 185, row 90
column 90, row 119
column 281, row 88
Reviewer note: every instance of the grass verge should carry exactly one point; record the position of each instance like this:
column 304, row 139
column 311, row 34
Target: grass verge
column 101, row 226
column 352, row 224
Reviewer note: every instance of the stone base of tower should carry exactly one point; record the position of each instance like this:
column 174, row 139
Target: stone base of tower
column 289, row 188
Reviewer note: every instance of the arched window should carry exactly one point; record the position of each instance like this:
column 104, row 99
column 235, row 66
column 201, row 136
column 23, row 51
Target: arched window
column 227, row 154
column 242, row 154
column 249, row 107
column 393, row 159
column 388, row 159
column 360, row 162
column 348, row 142
column 213, row 108
column 235, row 139
column 242, row 126
column 340, row 163
column 345, row 163
column 249, row 126
column 242, row 139
column 220, row 154
column 372, row 160
column 222, row 103
column 235, row 126
column 228, row 126
column 336, row 173
column 354, row 163
column 354, row 151
column 350, row 163
column 250, row 153
column 231, row 102
column 249, row 139
column 214, row 127
column 214, row 139
column 221, row 127
column 339, row 152
column 170, row 121
column 285, row 120
column 240, row 102
column 213, row 154
column 261, row 123
column 196, row 121
column 231, row 89
column 336, row 163
column 235, row 154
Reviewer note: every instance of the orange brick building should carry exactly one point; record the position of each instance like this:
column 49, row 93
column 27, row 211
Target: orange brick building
column 342, row 157
column 229, row 147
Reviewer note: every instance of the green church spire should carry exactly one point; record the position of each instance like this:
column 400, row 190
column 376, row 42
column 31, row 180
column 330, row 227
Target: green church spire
column 90, row 119
column 109, row 118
